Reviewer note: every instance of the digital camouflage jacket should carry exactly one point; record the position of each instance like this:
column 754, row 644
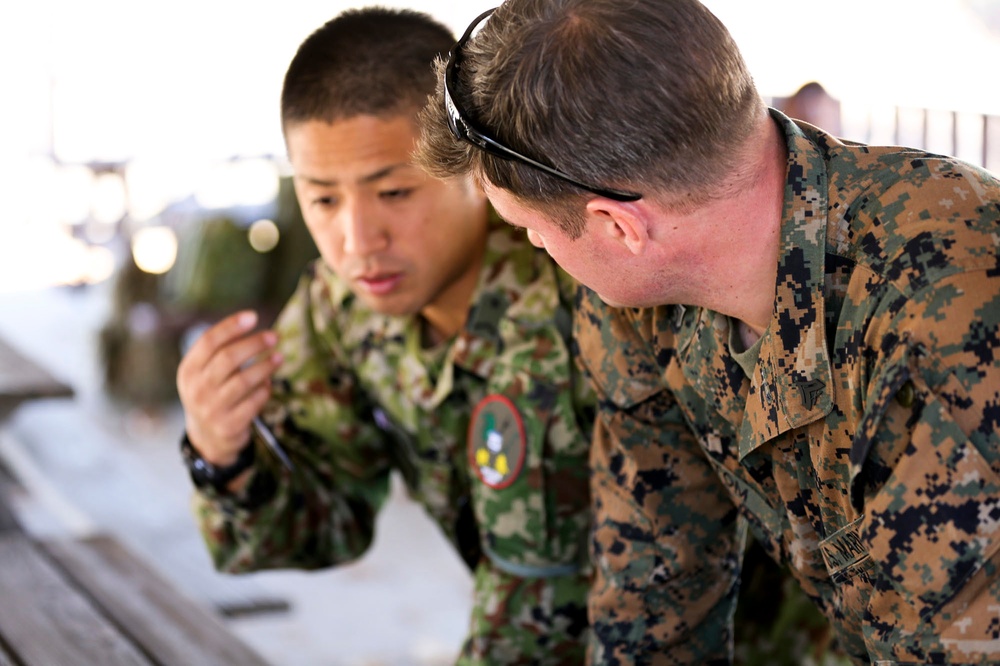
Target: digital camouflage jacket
column 864, row 449
column 489, row 430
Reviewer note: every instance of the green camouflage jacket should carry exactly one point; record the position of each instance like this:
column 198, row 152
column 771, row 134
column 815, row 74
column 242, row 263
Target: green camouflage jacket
column 490, row 431
column 863, row 450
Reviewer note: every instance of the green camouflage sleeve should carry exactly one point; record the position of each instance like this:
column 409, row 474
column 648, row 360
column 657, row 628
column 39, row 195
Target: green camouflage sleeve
column 525, row 620
column 667, row 544
column 528, row 439
column 323, row 512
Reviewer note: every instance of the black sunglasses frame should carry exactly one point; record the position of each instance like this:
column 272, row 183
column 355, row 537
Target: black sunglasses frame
column 463, row 130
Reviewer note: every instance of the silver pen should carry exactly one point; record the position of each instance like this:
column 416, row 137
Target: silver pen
column 272, row 443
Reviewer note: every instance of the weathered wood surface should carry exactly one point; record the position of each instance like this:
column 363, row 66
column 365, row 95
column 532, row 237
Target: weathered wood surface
column 44, row 619
column 173, row 628
column 91, row 601
column 22, row 379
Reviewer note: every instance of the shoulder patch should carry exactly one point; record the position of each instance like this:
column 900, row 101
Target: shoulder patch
column 497, row 443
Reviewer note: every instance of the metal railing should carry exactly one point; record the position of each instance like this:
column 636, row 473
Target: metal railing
column 969, row 136
column 973, row 137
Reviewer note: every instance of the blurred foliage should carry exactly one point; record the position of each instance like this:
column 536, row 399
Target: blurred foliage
column 216, row 269
column 216, row 273
column 135, row 351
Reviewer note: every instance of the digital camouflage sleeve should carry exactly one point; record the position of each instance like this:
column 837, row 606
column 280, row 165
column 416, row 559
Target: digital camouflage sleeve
column 490, row 433
column 861, row 446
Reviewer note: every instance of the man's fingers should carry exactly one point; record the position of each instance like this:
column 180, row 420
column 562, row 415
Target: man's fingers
column 249, row 378
column 219, row 434
column 216, row 397
column 239, row 354
column 251, row 405
column 243, row 351
column 224, row 381
column 220, row 336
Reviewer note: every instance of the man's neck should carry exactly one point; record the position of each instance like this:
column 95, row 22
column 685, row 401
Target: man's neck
column 744, row 236
column 446, row 314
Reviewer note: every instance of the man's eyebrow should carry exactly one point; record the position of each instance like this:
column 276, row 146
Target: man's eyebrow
column 369, row 178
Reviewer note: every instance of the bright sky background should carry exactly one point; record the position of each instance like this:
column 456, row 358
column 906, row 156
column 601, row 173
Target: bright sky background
column 178, row 84
column 134, row 78
column 140, row 78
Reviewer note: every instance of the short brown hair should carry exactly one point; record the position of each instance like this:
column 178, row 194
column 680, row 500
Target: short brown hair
column 640, row 95
column 372, row 61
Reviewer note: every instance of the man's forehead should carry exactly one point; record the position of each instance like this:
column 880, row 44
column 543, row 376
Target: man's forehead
column 351, row 139
column 327, row 154
column 375, row 175
column 511, row 208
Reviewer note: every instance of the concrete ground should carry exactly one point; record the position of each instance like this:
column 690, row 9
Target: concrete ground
column 89, row 464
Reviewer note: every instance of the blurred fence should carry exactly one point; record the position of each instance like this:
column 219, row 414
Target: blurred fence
column 969, row 136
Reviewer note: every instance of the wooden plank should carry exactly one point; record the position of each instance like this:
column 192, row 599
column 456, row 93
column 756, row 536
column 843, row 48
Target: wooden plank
column 7, row 519
column 44, row 619
column 22, row 379
column 5, row 658
column 171, row 628
column 21, row 376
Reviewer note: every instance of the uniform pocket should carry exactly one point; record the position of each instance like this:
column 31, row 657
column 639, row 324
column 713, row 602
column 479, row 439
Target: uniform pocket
column 932, row 526
column 935, row 521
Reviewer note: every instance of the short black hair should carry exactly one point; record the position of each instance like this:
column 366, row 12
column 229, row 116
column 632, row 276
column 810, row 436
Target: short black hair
column 372, row 61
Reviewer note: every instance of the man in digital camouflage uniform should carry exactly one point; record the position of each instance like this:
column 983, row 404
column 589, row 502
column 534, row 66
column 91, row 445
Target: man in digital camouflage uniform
column 781, row 326
column 430, row 339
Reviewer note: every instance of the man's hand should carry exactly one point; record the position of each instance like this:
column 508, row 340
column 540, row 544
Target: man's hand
column 223, row 382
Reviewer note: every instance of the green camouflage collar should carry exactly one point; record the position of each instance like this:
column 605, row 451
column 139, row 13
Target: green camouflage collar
column 517, row 294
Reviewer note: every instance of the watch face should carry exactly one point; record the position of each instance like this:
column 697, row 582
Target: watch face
column 203, row 472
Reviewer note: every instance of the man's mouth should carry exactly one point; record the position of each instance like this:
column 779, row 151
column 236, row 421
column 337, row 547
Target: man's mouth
column 379, row 284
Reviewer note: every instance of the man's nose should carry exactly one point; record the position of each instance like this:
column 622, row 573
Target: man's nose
column 364, row 232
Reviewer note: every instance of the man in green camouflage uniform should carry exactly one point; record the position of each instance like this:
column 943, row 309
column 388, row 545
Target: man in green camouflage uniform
column 431, row 339
column 786, row 331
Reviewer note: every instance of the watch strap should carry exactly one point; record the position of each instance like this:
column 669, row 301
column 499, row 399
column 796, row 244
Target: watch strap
column 206, row 475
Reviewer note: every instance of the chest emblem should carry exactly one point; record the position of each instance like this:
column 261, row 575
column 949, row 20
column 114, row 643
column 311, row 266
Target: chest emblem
column 496, row 441
column 810, row 391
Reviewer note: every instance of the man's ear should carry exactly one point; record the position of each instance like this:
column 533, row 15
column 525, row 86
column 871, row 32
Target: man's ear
column 624, row 221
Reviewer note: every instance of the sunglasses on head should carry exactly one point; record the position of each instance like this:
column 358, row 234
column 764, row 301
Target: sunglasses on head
column 466, row 131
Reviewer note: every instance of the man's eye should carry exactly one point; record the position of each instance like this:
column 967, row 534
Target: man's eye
column 324, row 202
column 399, row 193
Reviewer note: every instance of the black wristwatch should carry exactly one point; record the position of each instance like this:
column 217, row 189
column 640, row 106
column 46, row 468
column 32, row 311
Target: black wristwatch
column 206, row 475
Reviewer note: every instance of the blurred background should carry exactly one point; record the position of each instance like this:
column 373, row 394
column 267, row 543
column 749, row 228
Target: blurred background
column 146, row 194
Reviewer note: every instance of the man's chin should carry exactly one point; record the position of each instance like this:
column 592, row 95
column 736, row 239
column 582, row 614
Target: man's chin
column 392, row 307
column 610, row 302
column 630, row 303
